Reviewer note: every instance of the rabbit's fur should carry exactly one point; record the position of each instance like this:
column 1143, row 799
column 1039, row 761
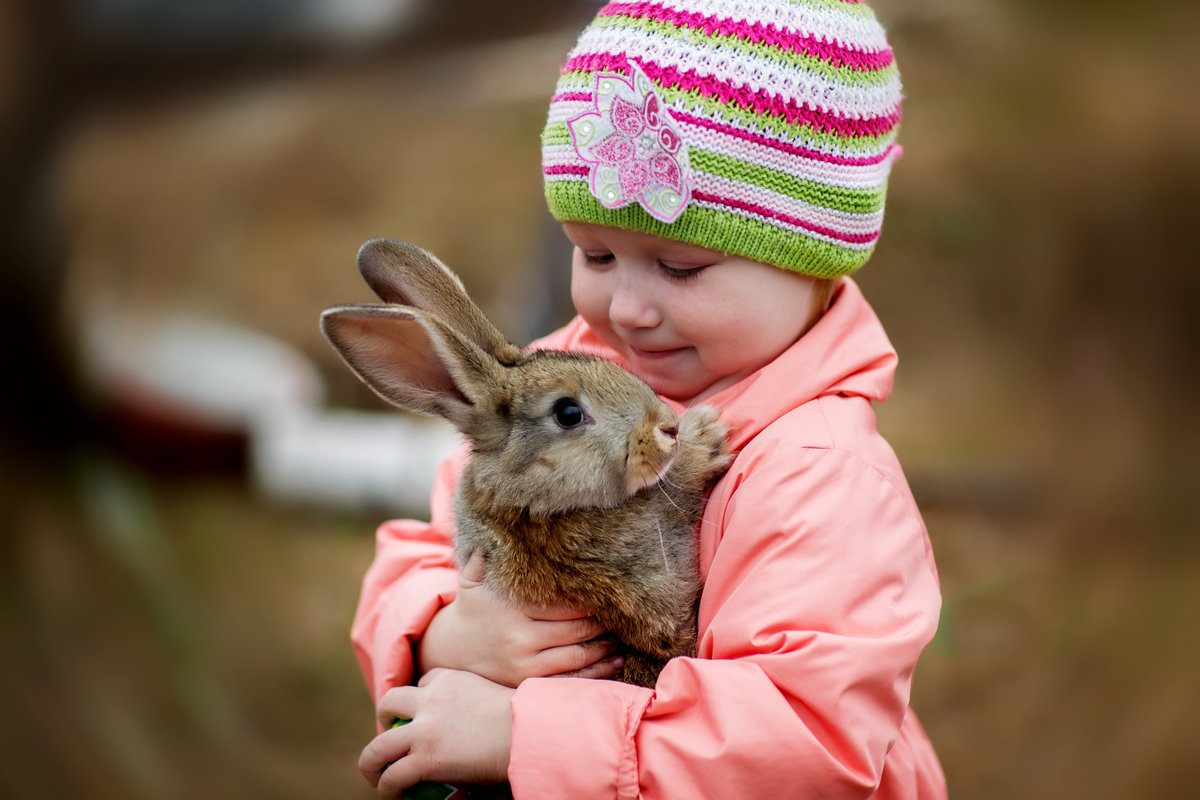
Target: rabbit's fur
column 601, row 515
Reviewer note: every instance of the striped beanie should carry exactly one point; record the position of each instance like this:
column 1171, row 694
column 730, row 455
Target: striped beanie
column 760, row 128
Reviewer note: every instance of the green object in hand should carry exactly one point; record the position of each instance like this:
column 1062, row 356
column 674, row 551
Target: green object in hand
column 425, row 790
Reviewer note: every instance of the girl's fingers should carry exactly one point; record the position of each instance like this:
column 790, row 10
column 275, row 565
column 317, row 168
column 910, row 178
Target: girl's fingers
column 569, row 632
column 602, row 669
column 432, row 675
column 388, row 748
column 396, row 703
column 396, row 778
column 475, row 570
column 556, row 613
column 575, row 659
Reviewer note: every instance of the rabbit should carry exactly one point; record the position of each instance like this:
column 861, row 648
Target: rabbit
column 583, row 488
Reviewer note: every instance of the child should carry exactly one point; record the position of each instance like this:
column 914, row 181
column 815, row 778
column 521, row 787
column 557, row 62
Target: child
column 719, row 172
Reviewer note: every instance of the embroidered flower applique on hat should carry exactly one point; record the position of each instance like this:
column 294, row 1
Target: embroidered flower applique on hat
column 636, row 154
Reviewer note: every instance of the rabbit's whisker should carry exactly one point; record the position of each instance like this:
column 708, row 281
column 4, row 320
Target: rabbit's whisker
column 703, row 520
column 667, row 481
column 662, row 546
column 677, row 487
column 668, row 496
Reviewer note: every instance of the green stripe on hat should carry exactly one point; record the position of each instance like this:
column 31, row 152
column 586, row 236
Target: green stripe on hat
column 716, row 230
column 856, row 201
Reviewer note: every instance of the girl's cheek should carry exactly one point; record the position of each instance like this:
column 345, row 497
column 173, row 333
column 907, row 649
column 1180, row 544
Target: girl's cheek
column 587, row 296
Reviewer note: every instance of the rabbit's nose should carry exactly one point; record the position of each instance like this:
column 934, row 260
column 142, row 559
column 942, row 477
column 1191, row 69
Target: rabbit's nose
column 670, row 430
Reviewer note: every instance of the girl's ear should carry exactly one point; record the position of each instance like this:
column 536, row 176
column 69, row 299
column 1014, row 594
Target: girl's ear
column 404, row 274
column 413, row 359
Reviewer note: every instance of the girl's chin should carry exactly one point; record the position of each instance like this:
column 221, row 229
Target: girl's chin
column 673, row 387
column 669, row 372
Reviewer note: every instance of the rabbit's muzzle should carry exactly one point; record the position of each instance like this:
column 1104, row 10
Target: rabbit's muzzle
column 652, row 449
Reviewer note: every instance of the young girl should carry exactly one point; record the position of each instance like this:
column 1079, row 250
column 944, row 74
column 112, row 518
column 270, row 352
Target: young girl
column 719, row 172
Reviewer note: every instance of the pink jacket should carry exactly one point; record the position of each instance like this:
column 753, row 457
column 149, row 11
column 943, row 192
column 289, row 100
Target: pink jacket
column 820, row 593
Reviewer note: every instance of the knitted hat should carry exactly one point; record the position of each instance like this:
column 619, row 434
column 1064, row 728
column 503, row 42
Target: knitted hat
column 760, row 128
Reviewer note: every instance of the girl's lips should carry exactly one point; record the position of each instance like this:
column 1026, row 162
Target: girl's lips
column 654, row 354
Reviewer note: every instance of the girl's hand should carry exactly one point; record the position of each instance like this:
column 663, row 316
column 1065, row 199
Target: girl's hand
column 482, row 632
column 460, row 733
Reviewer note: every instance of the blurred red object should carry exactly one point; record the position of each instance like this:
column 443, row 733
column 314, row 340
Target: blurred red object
column 186, row 392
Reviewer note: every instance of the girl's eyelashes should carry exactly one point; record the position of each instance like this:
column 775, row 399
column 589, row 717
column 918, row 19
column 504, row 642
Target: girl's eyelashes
column 680, row 274
column 676, row 271
column 597, row 257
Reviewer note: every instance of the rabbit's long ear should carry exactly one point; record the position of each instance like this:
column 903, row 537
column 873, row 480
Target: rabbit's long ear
column 405, row 274
column 413, row 359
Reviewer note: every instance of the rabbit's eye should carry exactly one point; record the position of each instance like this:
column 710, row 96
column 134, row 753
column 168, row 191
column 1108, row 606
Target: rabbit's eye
column 568, row 412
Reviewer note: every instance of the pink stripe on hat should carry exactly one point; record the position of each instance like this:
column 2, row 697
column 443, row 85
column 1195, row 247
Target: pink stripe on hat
column 763, row 101
column 784, row 146
column 769, row 213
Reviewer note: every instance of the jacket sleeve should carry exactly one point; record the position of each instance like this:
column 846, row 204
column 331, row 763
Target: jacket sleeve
column 817, row 602
column 413, row 575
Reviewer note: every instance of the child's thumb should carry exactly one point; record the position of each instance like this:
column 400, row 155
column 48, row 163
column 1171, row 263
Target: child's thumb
column 475, row 569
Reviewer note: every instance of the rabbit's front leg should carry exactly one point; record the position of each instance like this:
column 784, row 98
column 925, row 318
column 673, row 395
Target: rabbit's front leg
column 704, row 448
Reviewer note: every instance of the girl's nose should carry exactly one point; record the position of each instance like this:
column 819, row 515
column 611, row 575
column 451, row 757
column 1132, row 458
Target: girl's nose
column 632, row 305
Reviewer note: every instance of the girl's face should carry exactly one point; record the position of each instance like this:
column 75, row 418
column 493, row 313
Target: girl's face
column 688, row 320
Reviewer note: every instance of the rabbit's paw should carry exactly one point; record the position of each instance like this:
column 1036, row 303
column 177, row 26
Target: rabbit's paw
column 702, row 428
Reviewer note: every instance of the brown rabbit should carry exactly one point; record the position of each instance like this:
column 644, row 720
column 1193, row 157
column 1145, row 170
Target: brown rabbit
column 583, row 487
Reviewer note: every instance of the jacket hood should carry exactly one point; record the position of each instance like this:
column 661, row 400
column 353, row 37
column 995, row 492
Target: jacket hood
column 846, row 352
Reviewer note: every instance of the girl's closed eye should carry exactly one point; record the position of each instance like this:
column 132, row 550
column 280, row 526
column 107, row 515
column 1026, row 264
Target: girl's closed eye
column 597, row 257
column 681, row 273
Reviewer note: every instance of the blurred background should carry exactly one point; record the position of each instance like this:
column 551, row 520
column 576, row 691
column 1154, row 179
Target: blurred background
column 193, row 480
